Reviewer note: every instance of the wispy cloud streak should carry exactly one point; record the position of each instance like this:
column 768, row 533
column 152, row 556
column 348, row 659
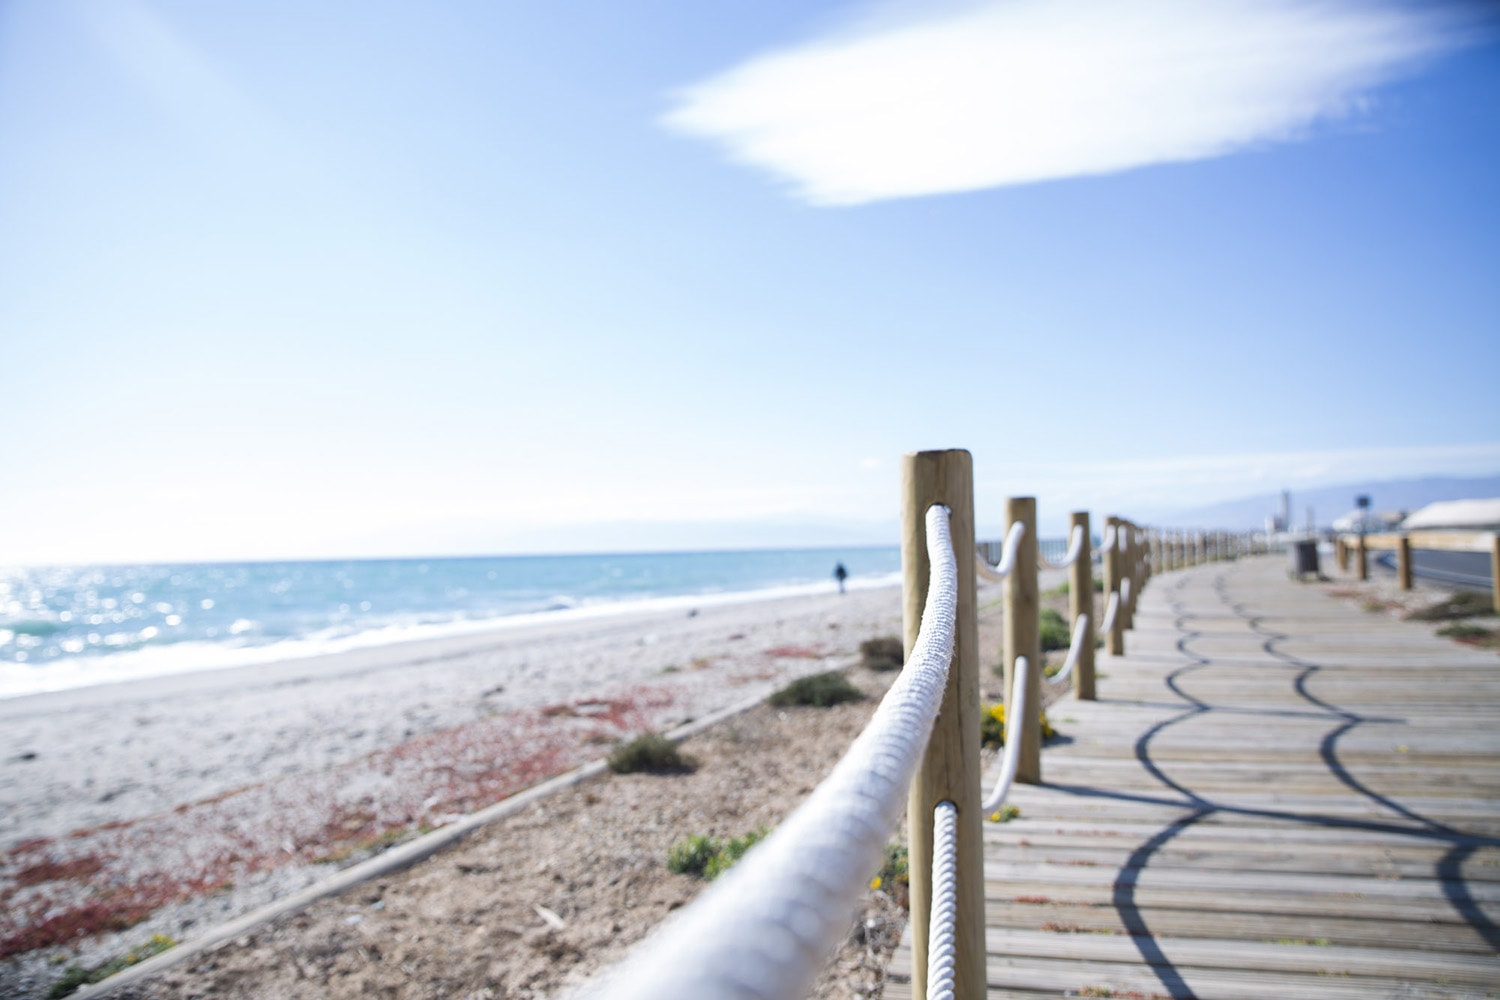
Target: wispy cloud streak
column 1005, row 92
column 1197, row 480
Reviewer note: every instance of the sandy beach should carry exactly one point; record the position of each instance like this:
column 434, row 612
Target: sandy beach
column 171, row 803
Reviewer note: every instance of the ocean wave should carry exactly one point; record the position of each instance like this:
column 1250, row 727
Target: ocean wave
column 160, row 659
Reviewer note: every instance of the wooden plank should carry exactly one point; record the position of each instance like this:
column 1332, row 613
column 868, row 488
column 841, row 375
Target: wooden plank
column 1378, row 928
column 1021, row 978
column 1269, row 956
column 1292, row 878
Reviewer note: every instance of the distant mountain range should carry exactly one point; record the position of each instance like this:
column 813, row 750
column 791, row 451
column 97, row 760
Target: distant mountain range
column 1329, row 502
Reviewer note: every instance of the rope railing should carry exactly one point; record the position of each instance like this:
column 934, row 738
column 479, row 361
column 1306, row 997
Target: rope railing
column 1015, row 712
column 1001, row 570
column 942, row 934
column 1075, row 549
column 1108, row 541
column 1111, row 612
column 764, row 929
column 1075, row 650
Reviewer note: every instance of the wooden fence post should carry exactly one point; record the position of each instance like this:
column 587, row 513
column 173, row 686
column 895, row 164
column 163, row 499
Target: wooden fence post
column 1127, row 569
column 1495, row 569
column 1341, row 553
column 1081, row 602
column 1403, row 561
column 1023, row 637
column 950, row 769
column 1361, row 558
column 1116, row 638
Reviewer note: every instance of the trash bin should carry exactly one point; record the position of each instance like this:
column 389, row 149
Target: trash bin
column 1304, row 555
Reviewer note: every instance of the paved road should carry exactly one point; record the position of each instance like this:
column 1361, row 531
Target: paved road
column 1462, row 569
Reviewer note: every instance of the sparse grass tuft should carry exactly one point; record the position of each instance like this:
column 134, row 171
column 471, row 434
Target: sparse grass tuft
column 817, row 690
column 1463, row 631
column 651, row 753
column 690, row 855
column 1054, row 631
column 1462, row 604
column 709, row 857
column 992, row 726
column 884, row 653
column 1473, row 635
column 76, row 975
column 1066, row 587
column 894, row 877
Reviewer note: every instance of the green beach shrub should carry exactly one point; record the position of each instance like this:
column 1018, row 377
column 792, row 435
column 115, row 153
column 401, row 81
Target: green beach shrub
column 1005, row 813
column 884, row 653
column 1474, row 635
column 1461, row 604
column 1066, row 587
column 1054, row 631
column 709, row 857
column 651, row 753
column 992, row 726
column 76, row 976
column 731, row 851
column 894, row 878
column 690, row 855
column 818, row 690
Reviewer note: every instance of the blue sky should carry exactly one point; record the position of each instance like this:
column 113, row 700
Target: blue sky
column 289, row 279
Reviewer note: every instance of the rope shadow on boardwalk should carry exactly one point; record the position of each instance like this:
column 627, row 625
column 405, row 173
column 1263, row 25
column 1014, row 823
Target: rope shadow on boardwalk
column 1206, row 804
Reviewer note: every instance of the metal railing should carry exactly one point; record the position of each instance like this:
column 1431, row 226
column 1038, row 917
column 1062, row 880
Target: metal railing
column 1356, row 547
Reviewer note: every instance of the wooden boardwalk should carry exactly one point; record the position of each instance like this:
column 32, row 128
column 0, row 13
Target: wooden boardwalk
column 1278, row 794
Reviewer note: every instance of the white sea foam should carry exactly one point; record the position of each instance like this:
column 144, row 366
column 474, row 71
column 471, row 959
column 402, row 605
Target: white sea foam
column 160, row 660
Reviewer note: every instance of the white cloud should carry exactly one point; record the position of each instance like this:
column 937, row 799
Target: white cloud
column 1137, row 485
column 1014, row 91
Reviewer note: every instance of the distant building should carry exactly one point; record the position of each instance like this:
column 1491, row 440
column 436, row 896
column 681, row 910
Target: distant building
column 1468, row 515
column 1369, row 521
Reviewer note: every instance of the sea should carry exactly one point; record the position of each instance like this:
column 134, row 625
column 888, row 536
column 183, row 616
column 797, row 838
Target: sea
column 71, row 626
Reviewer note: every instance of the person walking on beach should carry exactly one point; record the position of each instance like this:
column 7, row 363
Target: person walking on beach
column 840, row 574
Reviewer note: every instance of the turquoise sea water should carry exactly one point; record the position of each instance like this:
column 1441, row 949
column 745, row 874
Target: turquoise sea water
column 64, row 627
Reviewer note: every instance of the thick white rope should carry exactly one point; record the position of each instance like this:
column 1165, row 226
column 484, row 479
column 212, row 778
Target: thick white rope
column 1075, row 549
column 1125, row 589
column 764, row 930
column 1110, row 611
column 1007, row 555
column 1015, row 710
column 1080, row 629
column 942, row 928
column 1109, row 539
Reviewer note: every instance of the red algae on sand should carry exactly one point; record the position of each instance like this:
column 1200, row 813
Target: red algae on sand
column 112, row 876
